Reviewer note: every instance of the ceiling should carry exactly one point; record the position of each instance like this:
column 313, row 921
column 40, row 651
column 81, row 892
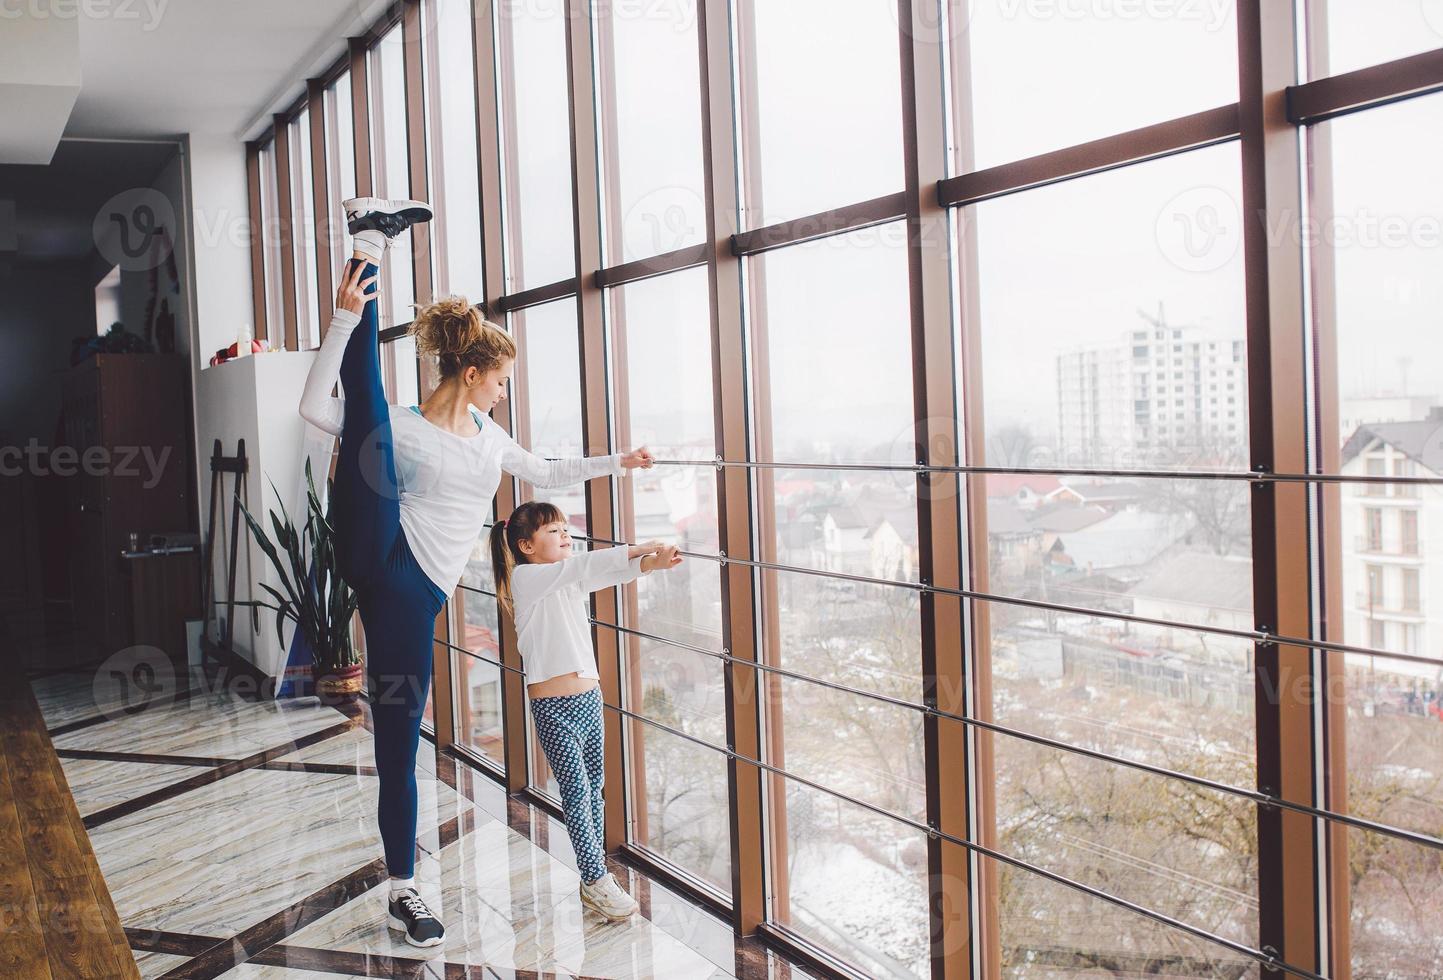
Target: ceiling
column 201, row 66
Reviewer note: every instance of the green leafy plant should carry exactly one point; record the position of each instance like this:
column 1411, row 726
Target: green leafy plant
column 315, row 597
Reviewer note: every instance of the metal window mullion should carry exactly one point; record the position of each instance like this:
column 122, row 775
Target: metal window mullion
column 638, row 822
column 939, row 530
column 360, row 115
column 1288, row 871
column 738, row 582
column 1322, row 297
column 488, row 176
column 591, row 349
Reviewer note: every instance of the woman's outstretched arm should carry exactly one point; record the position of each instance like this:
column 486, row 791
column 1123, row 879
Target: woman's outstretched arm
column 541, row 472
column 318, row 406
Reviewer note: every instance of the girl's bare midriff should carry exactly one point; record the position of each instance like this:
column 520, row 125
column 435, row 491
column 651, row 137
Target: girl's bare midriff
column 556, row 687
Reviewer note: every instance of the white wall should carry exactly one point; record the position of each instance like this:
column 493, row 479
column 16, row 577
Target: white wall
column 256, row 399
column 220, row 237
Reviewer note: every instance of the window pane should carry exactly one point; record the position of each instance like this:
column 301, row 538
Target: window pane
column 1034, row 77
column 451, row 131
column 856, row 882
column 1352, row 34
column 1134, row 354
column 824, row 105
column 1079, row 932
column 536, row 142
column 392, row 171
column 398, row 367
column 1167, row 845
column 1168, row 697
column 1397, row 896
column 864, row 636
column 340, row 168
column 547, row 390
column 661, row 333
column 303, row 233
column 682, row 814
column 1376, row 249
column 1394, row 740
column 1176, row 550
column 1375, row 253
column 478, row 709
column 679, row 688
column 651, row 82
column 862, row 747
column 271, row 240
column 661, row 340
column 832, row 350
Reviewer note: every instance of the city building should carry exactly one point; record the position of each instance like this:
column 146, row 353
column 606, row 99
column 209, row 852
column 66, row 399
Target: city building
column 1161, row 390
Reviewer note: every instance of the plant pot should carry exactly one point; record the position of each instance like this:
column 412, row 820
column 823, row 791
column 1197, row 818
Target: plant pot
column 339, row 686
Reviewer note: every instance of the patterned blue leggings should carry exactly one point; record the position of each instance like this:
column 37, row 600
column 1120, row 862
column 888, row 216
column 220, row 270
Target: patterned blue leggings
column 570, row 731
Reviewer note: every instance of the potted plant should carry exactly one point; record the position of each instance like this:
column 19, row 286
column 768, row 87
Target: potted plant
column 316, row 598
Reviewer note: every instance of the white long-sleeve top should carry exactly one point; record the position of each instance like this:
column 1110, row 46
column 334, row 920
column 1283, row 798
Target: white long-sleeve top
column 553, row 627
column 446, row 481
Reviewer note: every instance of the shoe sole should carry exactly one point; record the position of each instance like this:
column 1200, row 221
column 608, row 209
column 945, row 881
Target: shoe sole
column 400, row 926
column 588, row 903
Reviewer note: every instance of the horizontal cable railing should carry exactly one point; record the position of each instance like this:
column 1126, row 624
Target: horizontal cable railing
column 1267, row 960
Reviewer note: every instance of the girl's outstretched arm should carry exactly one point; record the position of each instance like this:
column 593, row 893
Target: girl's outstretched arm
column 318, row 406
column 592, row 570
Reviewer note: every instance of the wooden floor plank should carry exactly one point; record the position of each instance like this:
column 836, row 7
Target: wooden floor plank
column 22, row 945
column 66, row 926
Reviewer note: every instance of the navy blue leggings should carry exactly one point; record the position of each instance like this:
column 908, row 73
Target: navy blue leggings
column 398, row 601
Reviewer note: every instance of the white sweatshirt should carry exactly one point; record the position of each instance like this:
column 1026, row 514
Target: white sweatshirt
column 553, row 616
column 447, row 482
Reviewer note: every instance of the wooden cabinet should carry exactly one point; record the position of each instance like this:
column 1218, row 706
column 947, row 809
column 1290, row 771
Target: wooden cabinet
column 127, row 417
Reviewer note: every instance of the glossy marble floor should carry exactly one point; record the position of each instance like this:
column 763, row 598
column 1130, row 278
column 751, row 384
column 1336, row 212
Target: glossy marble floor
column 238, row 839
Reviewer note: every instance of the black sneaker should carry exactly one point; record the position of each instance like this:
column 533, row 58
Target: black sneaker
column 409, row 914
column 388, row 217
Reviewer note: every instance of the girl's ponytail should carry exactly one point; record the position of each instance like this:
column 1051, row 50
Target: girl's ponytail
column 502, row 562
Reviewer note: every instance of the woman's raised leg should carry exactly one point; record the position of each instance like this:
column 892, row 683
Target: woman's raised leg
column 367, row 503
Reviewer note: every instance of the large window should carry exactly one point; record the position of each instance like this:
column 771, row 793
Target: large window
column 1060, row 502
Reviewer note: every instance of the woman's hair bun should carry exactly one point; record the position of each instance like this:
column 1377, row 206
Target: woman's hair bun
column 450, row 325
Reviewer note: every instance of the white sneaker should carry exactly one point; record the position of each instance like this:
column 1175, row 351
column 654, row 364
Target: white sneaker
column 605, row 896
column 389, row 217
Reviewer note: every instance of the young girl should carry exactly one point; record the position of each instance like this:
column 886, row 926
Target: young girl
column 412, row 489
column 545, row 589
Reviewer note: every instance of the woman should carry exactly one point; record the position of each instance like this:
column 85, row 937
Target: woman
column 413, row 487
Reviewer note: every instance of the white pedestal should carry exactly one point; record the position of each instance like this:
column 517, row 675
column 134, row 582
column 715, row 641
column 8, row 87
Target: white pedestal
column 256, row 399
